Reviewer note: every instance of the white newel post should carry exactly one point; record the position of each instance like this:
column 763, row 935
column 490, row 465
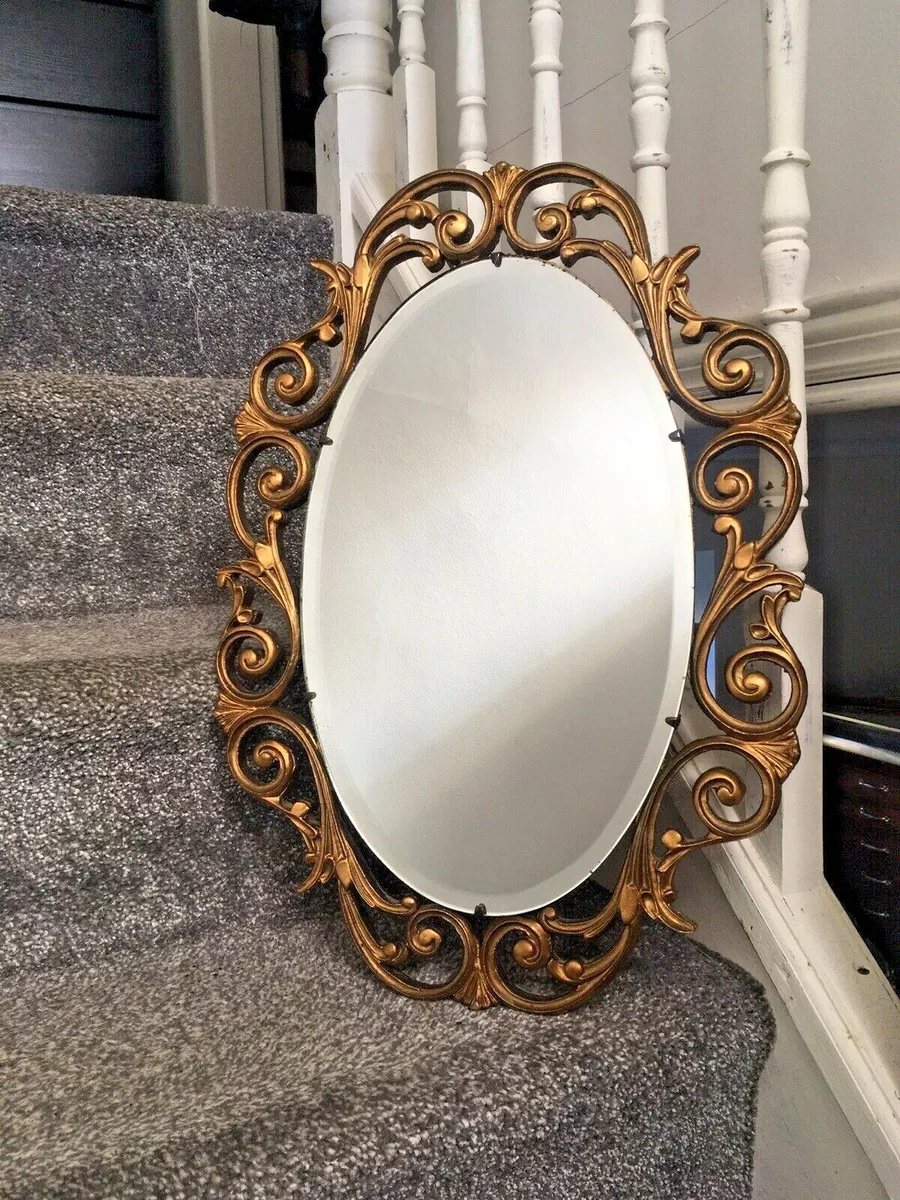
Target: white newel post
column 354, row 124
column 650, row 115
column 546, row 25
column 415, row 115
column 793, row 845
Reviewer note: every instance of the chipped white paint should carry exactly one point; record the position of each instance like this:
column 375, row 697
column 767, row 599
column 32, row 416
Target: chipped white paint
column 354, row 125
column 471, row 88
column 415, row 117
column 785, row 255
column 357, row 45
column 650, row 115
column 546, row 26
column 792, row 846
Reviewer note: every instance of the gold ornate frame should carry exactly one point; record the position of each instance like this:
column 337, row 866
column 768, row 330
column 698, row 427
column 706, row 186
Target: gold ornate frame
column 255, row 672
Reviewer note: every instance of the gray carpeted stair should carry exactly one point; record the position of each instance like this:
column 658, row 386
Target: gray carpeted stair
column 174, row 1020
column 126, row 829
column 268, row 1063
column 119, row 286
column 116, row 501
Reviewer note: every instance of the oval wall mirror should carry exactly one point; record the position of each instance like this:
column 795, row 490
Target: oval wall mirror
column 492, row 663
column 468, row 695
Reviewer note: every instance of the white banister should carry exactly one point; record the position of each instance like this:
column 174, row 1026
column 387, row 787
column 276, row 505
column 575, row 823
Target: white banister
column 546, row 25
column 471, row 88
column 415, row 115
column 785, row 255
column 650, row 115
column 354, row 124
column 792, row 846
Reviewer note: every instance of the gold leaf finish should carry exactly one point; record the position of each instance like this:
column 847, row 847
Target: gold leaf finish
column 488, row 960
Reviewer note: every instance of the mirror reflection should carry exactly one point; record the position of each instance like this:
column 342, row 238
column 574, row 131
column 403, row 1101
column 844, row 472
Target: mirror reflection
column 497, row 586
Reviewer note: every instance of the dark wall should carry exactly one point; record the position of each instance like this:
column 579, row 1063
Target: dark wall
column 79, row 96
column 853, row 532
column 853, row 529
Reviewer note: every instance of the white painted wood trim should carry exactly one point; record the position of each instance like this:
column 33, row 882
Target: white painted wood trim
column 368, row 194
column 785, row 253
column 849, row 1021
column 650, row 117
column 415, row 112
column 236, row 139
column 270, row 116
column 355, row 123
column 854, row 395
column 546, row 27
column 357, row 45
column 861, row 750
column 223, row 108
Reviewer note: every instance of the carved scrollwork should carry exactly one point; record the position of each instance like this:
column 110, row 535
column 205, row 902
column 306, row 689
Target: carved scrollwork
column 487, row 958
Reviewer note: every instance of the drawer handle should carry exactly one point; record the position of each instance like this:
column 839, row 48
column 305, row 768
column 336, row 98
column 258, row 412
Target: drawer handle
column 873, row 912
column 876, row 849
column 873, row 787
column 864, row 812
column 875, row 879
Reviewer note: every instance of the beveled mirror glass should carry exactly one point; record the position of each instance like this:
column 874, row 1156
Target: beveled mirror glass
column 492, row 662
column 465, row 695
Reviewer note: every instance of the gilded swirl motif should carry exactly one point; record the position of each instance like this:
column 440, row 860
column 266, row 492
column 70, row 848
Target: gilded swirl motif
column 256, row 667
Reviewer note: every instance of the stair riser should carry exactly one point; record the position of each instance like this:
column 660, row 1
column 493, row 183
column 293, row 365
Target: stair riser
column 113, row 493
column 122, row 286
column 120, row 825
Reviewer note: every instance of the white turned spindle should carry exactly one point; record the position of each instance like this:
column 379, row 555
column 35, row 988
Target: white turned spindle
column 357, row 45
column 415, row 127
column 785, row 255
column 650, row 114
column 545, row 25
column 354, row 124
column 792, row 845
column 471, row 87
column 411, row 42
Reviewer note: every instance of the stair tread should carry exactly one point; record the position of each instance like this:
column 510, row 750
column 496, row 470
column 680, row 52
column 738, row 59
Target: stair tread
column 176, row 1020
column 122, row 285
column 271, row 1063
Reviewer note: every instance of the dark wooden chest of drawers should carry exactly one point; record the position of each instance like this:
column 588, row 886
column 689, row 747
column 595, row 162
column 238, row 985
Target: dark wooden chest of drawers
column 862, row 845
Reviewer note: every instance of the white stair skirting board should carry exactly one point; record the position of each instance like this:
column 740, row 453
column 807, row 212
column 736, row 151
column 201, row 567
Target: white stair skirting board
column 844, row 1009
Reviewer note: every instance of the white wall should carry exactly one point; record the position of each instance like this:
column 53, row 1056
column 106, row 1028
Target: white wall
column 717, row 134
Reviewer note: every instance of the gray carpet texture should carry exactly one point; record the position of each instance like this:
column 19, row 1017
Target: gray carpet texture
column 176, row 1022
column 120, row 825
column 112, row 492
column 116, row 285
column 269, row 1063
